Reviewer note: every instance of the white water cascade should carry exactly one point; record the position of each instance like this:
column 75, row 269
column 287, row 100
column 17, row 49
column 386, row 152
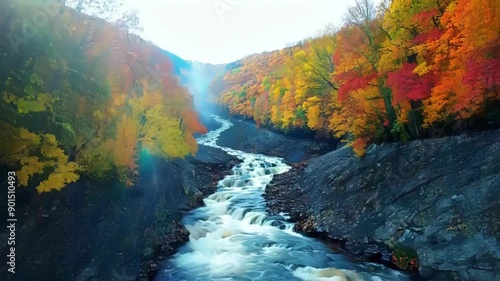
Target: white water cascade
column 233, row 238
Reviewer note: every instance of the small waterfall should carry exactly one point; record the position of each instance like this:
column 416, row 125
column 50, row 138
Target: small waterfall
column 233, row 238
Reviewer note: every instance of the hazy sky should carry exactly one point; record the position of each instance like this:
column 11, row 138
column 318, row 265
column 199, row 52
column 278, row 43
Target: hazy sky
column 221, row 31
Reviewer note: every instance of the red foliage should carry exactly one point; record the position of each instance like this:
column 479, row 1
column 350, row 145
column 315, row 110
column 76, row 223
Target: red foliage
column 352, row 81
column 192, row 122
column 425, row 37
column 407, row 85
column 424, row 17
column 337, row 58
column 483, row 74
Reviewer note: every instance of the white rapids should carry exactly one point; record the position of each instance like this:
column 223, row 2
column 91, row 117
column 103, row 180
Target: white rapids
column 233, row 238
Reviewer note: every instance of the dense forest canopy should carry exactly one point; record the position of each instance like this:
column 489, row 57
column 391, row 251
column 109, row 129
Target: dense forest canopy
column 82, row 95
column 398, row 71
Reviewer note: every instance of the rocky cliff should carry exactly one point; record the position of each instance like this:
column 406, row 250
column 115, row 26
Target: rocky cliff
column 103, row 231
column 428, row 204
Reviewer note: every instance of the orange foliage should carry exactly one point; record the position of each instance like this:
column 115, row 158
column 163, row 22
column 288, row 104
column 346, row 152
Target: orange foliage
column 388, row 73
column 102, row 96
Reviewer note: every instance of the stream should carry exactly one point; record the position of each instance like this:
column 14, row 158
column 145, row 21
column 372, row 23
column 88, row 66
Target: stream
column 233, row 238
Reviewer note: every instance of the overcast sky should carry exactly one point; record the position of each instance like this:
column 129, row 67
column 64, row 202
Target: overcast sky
column 222, row 31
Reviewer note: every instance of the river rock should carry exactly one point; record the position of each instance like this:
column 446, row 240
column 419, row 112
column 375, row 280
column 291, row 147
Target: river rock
column 438, row 199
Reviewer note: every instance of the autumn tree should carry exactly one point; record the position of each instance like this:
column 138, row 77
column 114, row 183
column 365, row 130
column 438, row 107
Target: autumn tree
column 465, row 55
column 393, row 72
column 315, row 90
column 111, row 11
column 77, row 103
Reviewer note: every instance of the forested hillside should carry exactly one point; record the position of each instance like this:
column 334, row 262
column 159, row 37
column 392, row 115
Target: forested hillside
column 403, row 70
column 82, row 95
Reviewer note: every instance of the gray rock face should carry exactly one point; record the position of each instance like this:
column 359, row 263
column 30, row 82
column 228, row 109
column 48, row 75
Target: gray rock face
column 103, row 231
column 245, row 136
column 439, row 198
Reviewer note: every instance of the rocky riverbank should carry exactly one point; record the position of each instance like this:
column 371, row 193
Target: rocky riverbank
column 103, row 231
column 430, row 204
column 244, row 135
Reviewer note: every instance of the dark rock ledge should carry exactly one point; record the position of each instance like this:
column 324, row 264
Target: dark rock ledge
column 430, row 204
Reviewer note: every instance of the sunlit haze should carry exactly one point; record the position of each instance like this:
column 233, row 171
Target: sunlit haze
column 221, row 31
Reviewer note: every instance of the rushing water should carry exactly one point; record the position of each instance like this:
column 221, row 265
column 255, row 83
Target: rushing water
column 232, row 237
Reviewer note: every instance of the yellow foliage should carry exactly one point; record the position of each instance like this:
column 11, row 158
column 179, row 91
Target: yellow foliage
column 49, row 148
column 97, row 159
column 126, row 143
column 53, row 160
column 31, row 138
column 162, row 136
column 64, row 173
column 365, row 81
column 403, row 111
column 275, row 117
column 339, row 123
column 313, row 116
column 50, row 139
column 9, row 98
column 30, row 167
column 98, row 115
column 114, row 97
column 276, row 94
column 422, row 69
column 436, row 107
column 41, row 102
column 301, row 90
column 287, row 118
column 15, row 143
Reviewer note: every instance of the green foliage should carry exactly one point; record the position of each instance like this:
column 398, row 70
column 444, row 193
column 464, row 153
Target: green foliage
column 266, row 84
column 399, row 132
column 236, row 70
column 405, row 259
column 300, row 114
